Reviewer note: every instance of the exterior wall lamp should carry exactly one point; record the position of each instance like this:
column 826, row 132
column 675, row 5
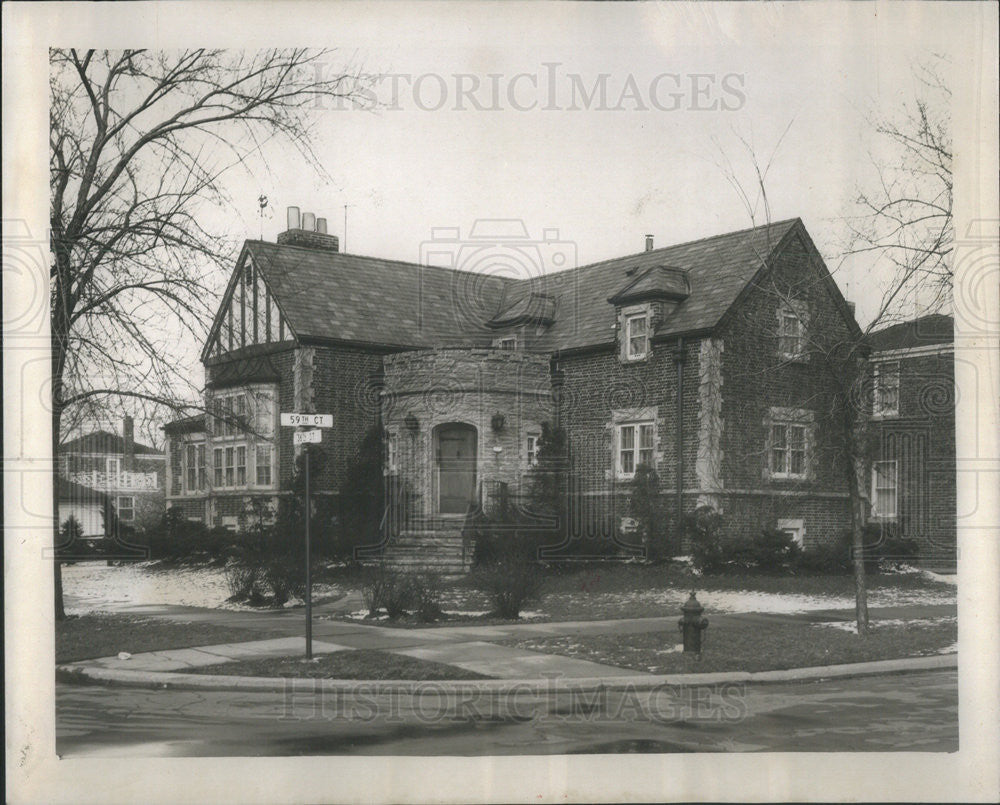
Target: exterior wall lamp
column 412, row 423
column 497, row 422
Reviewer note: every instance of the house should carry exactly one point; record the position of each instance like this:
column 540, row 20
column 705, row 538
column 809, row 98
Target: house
column 697, row 359
column 130, row 473
column 913, row 433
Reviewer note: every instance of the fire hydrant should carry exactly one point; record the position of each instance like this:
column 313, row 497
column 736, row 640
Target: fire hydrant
column 692, row 624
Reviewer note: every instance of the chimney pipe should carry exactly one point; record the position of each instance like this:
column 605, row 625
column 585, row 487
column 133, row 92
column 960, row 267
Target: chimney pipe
column 128, row 431
column 649, row 243
column 321, row 225
column 308, row 221
column 851, row 307
column 293, row 218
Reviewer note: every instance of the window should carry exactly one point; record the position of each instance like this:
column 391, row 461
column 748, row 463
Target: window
column 263, row 465
column 392, row 452
column 635, row 446
column 885, row 394
column 126, row 509
column 241, row 466
column 191, row 461
column 791, row 333
column 532, row 450
column 637, row 335
column 788, row 450
column 113, row 466
column 508, row 343
column 218, row 466
column 202, row 471
column 884, row 489
column 230, row 467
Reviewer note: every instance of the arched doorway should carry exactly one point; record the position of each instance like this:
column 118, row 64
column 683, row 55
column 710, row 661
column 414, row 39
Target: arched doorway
column 455, row 467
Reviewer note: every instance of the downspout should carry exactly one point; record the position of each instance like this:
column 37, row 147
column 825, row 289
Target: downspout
column 679, row 445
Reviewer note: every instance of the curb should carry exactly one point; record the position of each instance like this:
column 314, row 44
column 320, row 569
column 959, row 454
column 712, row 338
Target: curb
column 550, row 685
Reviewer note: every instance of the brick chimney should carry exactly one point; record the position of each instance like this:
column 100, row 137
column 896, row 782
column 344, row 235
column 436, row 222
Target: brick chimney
column 308, row 231
column 128, row 431
column 649, row 243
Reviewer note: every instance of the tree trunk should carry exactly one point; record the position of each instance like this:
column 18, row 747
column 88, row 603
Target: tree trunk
column 856, row 441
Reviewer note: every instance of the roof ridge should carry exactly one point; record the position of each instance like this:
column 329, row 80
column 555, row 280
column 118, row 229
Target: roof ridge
column 379, row 259
column 694, row 242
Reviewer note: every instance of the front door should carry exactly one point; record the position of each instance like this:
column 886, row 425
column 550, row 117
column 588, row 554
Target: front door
column 456, row 468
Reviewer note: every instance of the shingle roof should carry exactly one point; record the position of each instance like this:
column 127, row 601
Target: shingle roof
column 924, row 331
column 102, row 441
column 326, row 294
column 348, row 297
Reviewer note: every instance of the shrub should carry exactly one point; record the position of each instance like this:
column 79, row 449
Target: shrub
column 426, row 593
column 825, row 558
column 704, row 530
column 772, row 551
column 510, row 583
column 386, row 589
column 284, row 577
column 646, row 506
column 245, row 582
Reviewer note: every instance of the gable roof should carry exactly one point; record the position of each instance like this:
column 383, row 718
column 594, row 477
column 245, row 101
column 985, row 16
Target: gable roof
column 327, row 295
column 102, row 441
column 657, row 282
column 921, row 332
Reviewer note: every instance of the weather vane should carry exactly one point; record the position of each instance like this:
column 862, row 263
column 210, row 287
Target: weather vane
column 262, row 201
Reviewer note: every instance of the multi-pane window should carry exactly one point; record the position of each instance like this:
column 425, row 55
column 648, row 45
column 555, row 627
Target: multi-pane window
column 532, row 450
column 791, row 334
column 217, row 479
column 113, row 466
column 885, row 400
column 788, row 449
column 885, row 484
column 230, row 466
column 202, row 470
column 508, row 343
column 263, row 465
column 637, row 335
column 126, row 509
column 191, row 461
column 241, row 465
column 636, row 443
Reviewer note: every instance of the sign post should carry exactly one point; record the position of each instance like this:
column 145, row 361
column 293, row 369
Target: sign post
column 311, row 436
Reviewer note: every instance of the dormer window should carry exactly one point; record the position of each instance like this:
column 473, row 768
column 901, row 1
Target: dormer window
column 508, row 343
column 637, row 334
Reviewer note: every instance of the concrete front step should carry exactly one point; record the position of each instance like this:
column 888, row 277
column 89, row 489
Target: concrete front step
column 438, row 550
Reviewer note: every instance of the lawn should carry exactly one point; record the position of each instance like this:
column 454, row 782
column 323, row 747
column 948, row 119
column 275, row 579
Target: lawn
column 85, row 637
column 360, row 664
column 757, row 647
column 608, row 591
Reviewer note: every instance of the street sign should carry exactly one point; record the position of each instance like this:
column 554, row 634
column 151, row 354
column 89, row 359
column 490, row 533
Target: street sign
column 307, row 437
column 307, row 420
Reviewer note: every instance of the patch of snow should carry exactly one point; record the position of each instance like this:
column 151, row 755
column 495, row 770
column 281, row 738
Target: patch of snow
column 949, row 579
column 467, row 613
column 851, row 626
column 952, row 649
column 527, row 616
column 96, row 587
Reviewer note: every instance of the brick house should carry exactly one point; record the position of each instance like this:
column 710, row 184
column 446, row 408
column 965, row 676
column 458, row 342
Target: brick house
column 694, row 359
column 913, row 433
column 130, row 474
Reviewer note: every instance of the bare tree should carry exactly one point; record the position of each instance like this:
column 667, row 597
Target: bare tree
column 903, row 215
column 140, row 143
column 906, row 222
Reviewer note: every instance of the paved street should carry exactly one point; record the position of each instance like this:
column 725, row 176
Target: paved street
column 912, row 712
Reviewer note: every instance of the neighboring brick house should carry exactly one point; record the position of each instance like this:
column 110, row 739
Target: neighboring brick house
column 913, row 433
column 131, row 474
column 693, row 358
